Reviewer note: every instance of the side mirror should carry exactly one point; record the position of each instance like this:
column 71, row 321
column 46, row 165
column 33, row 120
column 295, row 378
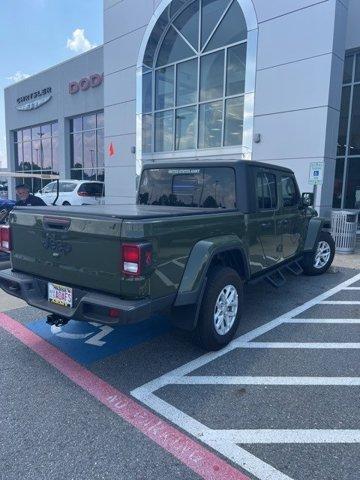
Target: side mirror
column 307, row 199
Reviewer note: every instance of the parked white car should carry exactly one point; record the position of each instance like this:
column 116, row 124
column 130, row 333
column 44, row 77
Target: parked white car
column 73, row 192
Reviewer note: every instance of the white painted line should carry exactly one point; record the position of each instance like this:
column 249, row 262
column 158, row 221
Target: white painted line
column 286, row 436
column 340, row 302
column 320, row 345
column 234, row 380
column 165, row 279
column 352, row 288
column 323, row 320
column 178, row 264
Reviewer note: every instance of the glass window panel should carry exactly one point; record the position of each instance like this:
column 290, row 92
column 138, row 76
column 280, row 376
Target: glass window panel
column 35, row 133
column 18, row 136
column 147, row 132
column 100, row 120
column 348, row 69
column 19, row 157
column 27, row 155
column 45, row 154
column 357, row 68
column 173, row 49
column 232, row 29
column 344, row 120
column 147, row 93
column 186, row 127
column 175, row 6
column 270, row 190
column 289, row 192
column 338, row 182
column 210, row 124
column 89, row 139
column 164, row 131
column 354, row 142
column 76, row 174
column 26, row 134
column 212, row 76
column 352, row 191
column 186, row 82
column 76, row 150
column 89, row 174
column 211, row 14
column 46, row 131
column 89, row 122
column 164, row 88
column 100, row 147
column 36, row 184
column 55, row 154
column 36, row 155
column 76, row 124
column 54, row 129
column 188, row 23
column 101, row 176
column 218, row 188
column 236, row 66
column 234, row 121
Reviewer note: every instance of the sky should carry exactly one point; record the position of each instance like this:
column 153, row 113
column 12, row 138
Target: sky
column 37, row 34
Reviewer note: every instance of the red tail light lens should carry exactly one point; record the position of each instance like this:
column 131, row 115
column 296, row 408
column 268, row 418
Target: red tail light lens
column 84, row 194
column 136, row 258
column 5, row 238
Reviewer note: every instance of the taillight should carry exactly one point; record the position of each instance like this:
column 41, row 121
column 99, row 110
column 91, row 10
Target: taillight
column 84, row 194
column 136, row 258
column 5, row 238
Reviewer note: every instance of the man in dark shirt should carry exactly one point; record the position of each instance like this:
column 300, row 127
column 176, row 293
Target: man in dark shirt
column 26, row 199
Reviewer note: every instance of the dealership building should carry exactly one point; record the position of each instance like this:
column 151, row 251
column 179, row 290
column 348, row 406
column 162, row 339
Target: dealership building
column 191, row 80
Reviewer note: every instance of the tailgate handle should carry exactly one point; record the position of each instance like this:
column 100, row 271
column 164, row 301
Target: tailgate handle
column 56, row 223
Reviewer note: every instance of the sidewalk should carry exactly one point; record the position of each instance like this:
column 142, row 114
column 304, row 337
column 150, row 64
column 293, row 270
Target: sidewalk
column 348, row 261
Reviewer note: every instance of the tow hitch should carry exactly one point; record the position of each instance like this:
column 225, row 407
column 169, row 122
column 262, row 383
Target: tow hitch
column 56, row 320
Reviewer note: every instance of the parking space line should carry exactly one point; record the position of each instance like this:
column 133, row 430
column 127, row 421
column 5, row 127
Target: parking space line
column 323, row 320
column 198, row 458
column 262, row 436
column 352, row 288
column 238, row 380
column 226, row 442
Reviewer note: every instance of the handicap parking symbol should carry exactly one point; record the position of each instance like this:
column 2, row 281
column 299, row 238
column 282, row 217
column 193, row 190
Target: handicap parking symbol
column 90, row 342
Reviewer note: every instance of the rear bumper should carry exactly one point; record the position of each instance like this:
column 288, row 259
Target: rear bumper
column 88, row 306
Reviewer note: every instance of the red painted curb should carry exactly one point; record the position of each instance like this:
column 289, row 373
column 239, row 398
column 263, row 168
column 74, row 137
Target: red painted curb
column 195, row 456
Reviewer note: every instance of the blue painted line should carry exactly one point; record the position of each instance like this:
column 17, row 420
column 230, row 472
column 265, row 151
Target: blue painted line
column 75, row 339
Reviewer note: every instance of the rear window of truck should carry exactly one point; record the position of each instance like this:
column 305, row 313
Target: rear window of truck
column 210, row 187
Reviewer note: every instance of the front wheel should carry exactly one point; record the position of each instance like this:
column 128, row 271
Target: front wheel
column 220, row 309
column 319, row 261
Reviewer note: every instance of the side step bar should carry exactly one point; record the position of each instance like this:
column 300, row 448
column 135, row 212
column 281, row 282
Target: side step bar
column 276, row 277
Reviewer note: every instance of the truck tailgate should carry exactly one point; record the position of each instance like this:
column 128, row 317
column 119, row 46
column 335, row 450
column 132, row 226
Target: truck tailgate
column 66, row 248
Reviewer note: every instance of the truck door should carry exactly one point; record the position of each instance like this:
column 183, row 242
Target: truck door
column 263, row 221
column 289, row 219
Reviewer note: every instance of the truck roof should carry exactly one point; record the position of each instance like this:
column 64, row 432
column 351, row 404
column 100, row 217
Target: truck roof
column 234, row 163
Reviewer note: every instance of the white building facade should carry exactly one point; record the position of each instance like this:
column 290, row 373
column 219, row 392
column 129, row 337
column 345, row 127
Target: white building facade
column 214, row 79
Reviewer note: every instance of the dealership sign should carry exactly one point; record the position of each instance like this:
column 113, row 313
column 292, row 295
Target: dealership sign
column 34, row 100
column 85, row 83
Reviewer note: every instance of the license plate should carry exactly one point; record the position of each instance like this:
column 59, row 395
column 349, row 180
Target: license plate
column 60, row 295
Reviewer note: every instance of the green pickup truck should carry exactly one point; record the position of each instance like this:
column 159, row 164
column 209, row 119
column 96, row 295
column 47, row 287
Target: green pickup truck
column 198, row 232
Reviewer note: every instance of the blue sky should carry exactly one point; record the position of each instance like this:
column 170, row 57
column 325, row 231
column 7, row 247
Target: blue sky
column 36, row 34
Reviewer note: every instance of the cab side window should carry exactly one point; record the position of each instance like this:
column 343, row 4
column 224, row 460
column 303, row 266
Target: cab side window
column 289, row 191
column 49, row 187
column 266, row 191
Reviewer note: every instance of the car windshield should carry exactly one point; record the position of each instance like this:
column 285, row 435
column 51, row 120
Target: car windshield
column 209, row 187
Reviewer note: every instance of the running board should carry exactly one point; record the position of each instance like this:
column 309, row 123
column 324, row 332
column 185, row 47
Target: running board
column 295, row 268
column 276, row 279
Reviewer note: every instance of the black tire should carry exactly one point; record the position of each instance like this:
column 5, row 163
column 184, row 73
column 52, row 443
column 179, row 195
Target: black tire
column 309, row 261
column 66, row 204
column 206, row 334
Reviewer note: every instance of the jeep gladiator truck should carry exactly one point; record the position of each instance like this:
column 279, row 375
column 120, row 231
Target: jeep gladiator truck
column 198, row 232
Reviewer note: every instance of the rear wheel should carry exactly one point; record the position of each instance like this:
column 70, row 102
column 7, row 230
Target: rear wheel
column 319, row 261
column 220, row 309
column 65, row 204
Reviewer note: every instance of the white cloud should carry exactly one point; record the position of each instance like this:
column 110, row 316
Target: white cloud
column 79, row 43
column 18, row 76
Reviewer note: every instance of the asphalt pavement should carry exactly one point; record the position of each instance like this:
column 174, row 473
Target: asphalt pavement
column 271, row 406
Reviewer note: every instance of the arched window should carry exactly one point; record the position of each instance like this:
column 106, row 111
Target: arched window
column 193, row 78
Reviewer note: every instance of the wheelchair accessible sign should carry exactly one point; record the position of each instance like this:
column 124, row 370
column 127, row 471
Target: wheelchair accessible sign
column 316, row 174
